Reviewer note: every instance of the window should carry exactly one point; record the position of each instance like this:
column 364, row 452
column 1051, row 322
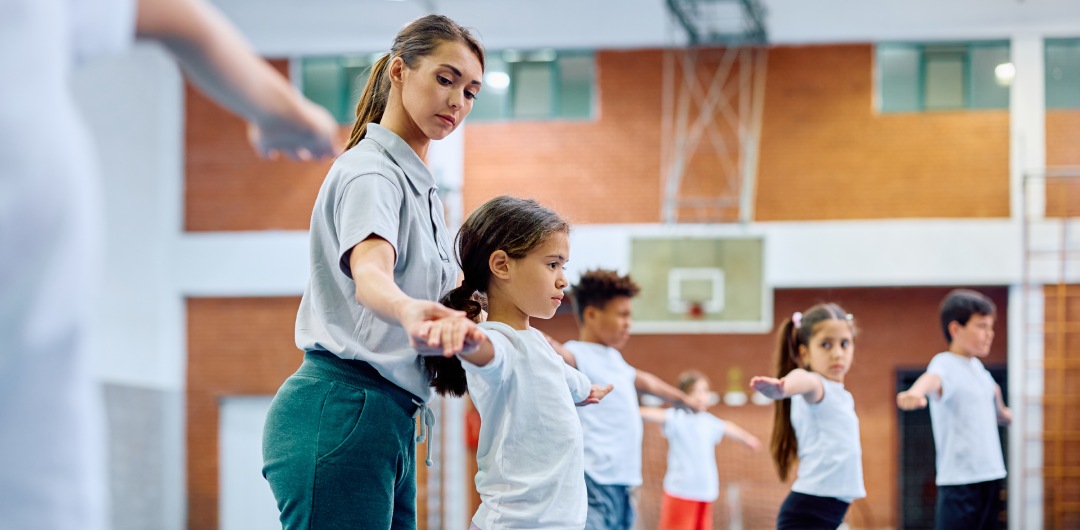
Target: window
column 927, row 77
column 336, row 82
column 536, row 85
column 1062, row 73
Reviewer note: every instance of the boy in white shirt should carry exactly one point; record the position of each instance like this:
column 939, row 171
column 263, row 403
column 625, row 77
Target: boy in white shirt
column 612, row 429
column 965, row 409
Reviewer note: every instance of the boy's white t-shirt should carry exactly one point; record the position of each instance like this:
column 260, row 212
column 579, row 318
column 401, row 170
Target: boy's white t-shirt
column 612, row 428
column 530, row 462
column 830, row 452
column 691, row 462
column 964, row 417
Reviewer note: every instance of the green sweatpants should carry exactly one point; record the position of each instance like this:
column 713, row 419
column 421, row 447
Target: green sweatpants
column 338, row 448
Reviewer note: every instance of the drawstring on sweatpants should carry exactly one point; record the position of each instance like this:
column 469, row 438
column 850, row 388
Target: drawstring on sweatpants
column 427, row 427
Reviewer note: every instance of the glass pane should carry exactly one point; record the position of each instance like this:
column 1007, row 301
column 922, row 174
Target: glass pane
column 575, row 86
column 898, row 78
column 493, row 101
column 531, row 83
column 1063, row 74
column 943, row 83
column 322, row 83
column 988, row 91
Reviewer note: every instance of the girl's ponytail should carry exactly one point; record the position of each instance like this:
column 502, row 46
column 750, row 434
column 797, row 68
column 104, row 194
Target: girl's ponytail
column 445, row 374
column 372, row 102
column 784, row 446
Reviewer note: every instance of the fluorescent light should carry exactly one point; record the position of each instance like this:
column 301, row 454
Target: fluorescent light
column 1005, row 72
column 497, row 80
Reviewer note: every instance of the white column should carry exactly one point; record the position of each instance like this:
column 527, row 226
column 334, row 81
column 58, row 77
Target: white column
column 1027, row 155
column 1027, row 121
column 446, row 158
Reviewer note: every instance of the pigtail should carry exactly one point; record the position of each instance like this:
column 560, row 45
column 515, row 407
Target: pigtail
column 784, row 446
column 445, row 374
column 372, row 102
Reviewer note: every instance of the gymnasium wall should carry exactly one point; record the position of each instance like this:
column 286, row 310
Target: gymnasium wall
column 825, row 154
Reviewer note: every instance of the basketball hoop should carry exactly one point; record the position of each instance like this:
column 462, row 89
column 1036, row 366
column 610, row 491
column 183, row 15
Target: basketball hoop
column 695, row 311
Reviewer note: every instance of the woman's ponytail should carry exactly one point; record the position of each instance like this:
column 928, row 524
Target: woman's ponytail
column 372, row 102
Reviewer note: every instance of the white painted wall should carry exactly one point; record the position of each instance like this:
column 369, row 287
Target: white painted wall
column 246, row 501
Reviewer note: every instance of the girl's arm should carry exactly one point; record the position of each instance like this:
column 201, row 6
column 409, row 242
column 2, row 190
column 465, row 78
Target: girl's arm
column 653, row 415
column 915, row 397
column 651, row 384
column 596, row 393
column 796, row 382
column 566, row 354
column 742, row 436
column 430, row 325
column 581, row 388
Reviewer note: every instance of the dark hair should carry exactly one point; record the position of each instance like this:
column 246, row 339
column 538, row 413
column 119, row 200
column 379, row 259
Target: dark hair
column 418, row 39
column 784, row 445
column 597, row 287
column 515, row 226
column 959, row 305
column 689, row 378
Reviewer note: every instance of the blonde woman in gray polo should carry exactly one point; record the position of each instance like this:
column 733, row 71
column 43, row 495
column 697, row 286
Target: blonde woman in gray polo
column 338, row 447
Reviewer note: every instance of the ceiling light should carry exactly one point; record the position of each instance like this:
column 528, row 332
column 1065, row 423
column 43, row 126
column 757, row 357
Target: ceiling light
column 1005, row 72
column 497, row 80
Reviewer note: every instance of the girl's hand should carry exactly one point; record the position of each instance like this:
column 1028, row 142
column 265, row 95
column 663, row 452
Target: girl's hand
column 596, row 394
column 770, row 387
column 907, row 400
column 433, row 328
column 753, row 443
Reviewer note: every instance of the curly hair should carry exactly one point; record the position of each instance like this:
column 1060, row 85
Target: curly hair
column 597, row 287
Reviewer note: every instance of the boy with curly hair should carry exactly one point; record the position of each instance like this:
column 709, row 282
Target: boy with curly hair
column 612, row 428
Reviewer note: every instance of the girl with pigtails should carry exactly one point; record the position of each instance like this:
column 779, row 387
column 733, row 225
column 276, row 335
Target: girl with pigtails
column 530, row 461
column 814, row 421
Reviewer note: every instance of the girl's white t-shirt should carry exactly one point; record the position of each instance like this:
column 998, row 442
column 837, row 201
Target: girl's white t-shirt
column 691, row 463
column 830, row 452
column 531, row 468
column 964, row 417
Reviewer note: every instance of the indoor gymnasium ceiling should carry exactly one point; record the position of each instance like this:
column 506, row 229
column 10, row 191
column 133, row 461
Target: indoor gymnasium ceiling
column 287, row 27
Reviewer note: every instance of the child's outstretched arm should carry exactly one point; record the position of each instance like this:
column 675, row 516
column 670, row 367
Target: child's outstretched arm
column 566, row 354
column 650, row 384
column 596, row 393
column 477, row 348
column 796, row 382
column 742, row 436
column 653, row 415
column 1004, row 415
column 915, row 397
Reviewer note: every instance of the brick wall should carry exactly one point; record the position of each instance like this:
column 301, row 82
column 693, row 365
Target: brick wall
column 898, row 329
column 825, row 154
column 244, row 347
column 1062, row 137
column 228, row 188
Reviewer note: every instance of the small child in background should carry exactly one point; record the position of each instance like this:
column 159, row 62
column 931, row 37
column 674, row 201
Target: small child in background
column 530, row 460
column 965, row 409
column 691, row 483
column 815, row 418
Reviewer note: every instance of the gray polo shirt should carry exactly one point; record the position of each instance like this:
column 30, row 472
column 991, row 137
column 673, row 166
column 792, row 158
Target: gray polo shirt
column 379, row 187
